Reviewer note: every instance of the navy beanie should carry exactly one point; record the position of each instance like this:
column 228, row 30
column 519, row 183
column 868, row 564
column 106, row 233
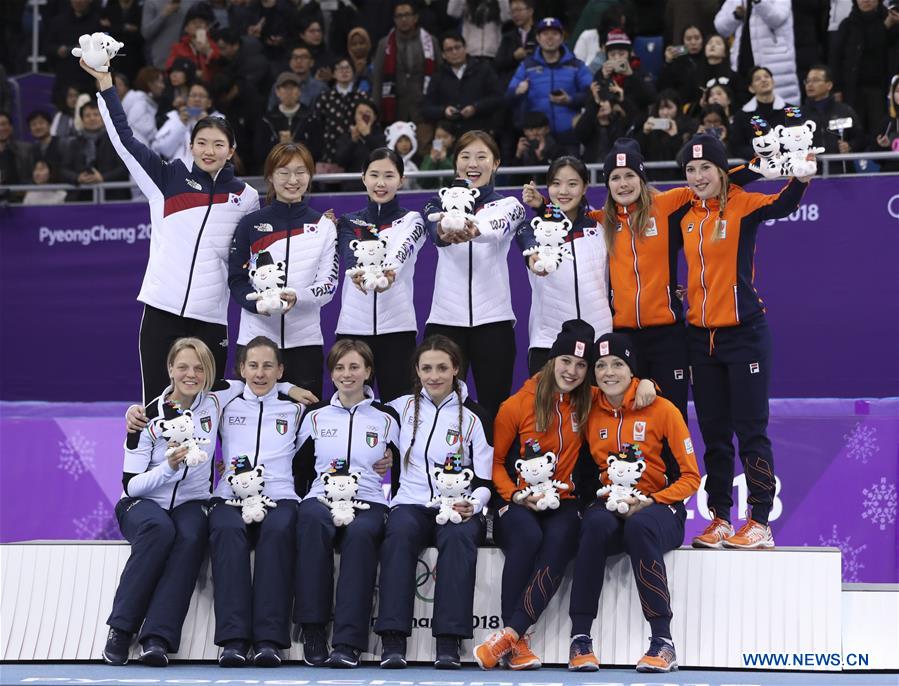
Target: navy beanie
column 625, row 152
column 703, row 146
column 619, row 345
column 575, row 339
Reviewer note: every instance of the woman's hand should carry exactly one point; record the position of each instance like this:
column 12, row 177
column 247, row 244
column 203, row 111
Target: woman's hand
column 383, row 465
column 104, row 80
column 177, row 457
column 390, row 275
column 290, row 299
column 220, row 467
column 136, row 419
column 532, row 261
column 531, row 502
column 465, row 509
column 530, row 196
column 811, row 157
column 455, row 237
column 883, row 140
column 672, row 128
column 358, row 279
column 645, row 395
column 302, row 396
column 635, row 505
column 522, row 87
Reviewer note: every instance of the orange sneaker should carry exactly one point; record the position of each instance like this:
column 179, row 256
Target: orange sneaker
column 522, row 657
column 659, row 658
column 715, row 534
column 498, row 644
column 580, row 655
column 751, row 535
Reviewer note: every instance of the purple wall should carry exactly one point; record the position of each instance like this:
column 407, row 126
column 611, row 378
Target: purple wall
column 69, row 321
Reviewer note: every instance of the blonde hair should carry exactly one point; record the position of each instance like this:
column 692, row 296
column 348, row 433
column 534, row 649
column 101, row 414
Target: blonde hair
column 638, row 225
column 581, row 398
column 203, row 353
column 722, row 203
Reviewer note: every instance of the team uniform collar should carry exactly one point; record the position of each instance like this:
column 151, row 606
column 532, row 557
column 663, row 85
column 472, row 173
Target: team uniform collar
column 223, row 175
column 377, row 211
column 293, row 209
column 169, row 389
column 368, row 399
column 628, row 401
column 252, row 397
column 451, row 398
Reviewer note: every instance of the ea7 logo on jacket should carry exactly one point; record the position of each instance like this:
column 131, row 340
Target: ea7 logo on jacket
column 237, row 421
column 281, row 426
column 329, row 433
column 371, row 439
column 206, row 423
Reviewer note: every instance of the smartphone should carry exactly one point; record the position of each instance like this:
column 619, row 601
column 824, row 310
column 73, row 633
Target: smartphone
column 194, row 112
column 366, row 118
column 679, row 50
column 200, row 35
column 437, row 144
column 660, row 123
column 557, row 92
column 716, row 131
column 621, row 67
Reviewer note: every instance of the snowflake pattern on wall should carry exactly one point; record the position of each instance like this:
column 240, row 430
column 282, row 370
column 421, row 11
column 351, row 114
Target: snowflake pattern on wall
column 861, row 442
column 99, row 525
column 849, row 554
column 76, row 455
column 879, row 506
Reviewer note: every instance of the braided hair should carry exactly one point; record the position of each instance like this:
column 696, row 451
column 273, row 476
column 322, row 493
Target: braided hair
column 441, row 344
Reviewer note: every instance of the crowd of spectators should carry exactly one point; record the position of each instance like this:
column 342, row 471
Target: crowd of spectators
column 347, row 77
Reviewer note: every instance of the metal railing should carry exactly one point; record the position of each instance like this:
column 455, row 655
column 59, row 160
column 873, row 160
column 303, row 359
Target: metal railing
column 99, row 190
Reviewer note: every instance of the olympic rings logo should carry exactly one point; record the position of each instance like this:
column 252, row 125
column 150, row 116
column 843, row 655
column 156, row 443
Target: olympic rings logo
column 893, row 207
column 424, row 574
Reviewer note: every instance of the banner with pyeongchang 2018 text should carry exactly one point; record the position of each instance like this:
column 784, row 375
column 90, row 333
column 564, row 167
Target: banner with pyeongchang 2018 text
column 69, row 321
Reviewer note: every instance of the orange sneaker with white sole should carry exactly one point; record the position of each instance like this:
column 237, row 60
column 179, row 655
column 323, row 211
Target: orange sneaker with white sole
column 751, row 535
column 498, row 645
column 715, row 534
column 522, row 657
column 580, row 656
column 659, row 658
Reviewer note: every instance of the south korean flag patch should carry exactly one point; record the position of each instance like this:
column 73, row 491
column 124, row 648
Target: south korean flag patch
column 234, row 199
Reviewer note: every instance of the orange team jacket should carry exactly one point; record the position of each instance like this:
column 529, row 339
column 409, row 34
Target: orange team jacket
column 721, row 257
column 608, row 429
column 515, row 421
column 643, row 269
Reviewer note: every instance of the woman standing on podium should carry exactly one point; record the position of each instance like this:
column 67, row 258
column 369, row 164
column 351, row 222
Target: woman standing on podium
column 193, row 212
